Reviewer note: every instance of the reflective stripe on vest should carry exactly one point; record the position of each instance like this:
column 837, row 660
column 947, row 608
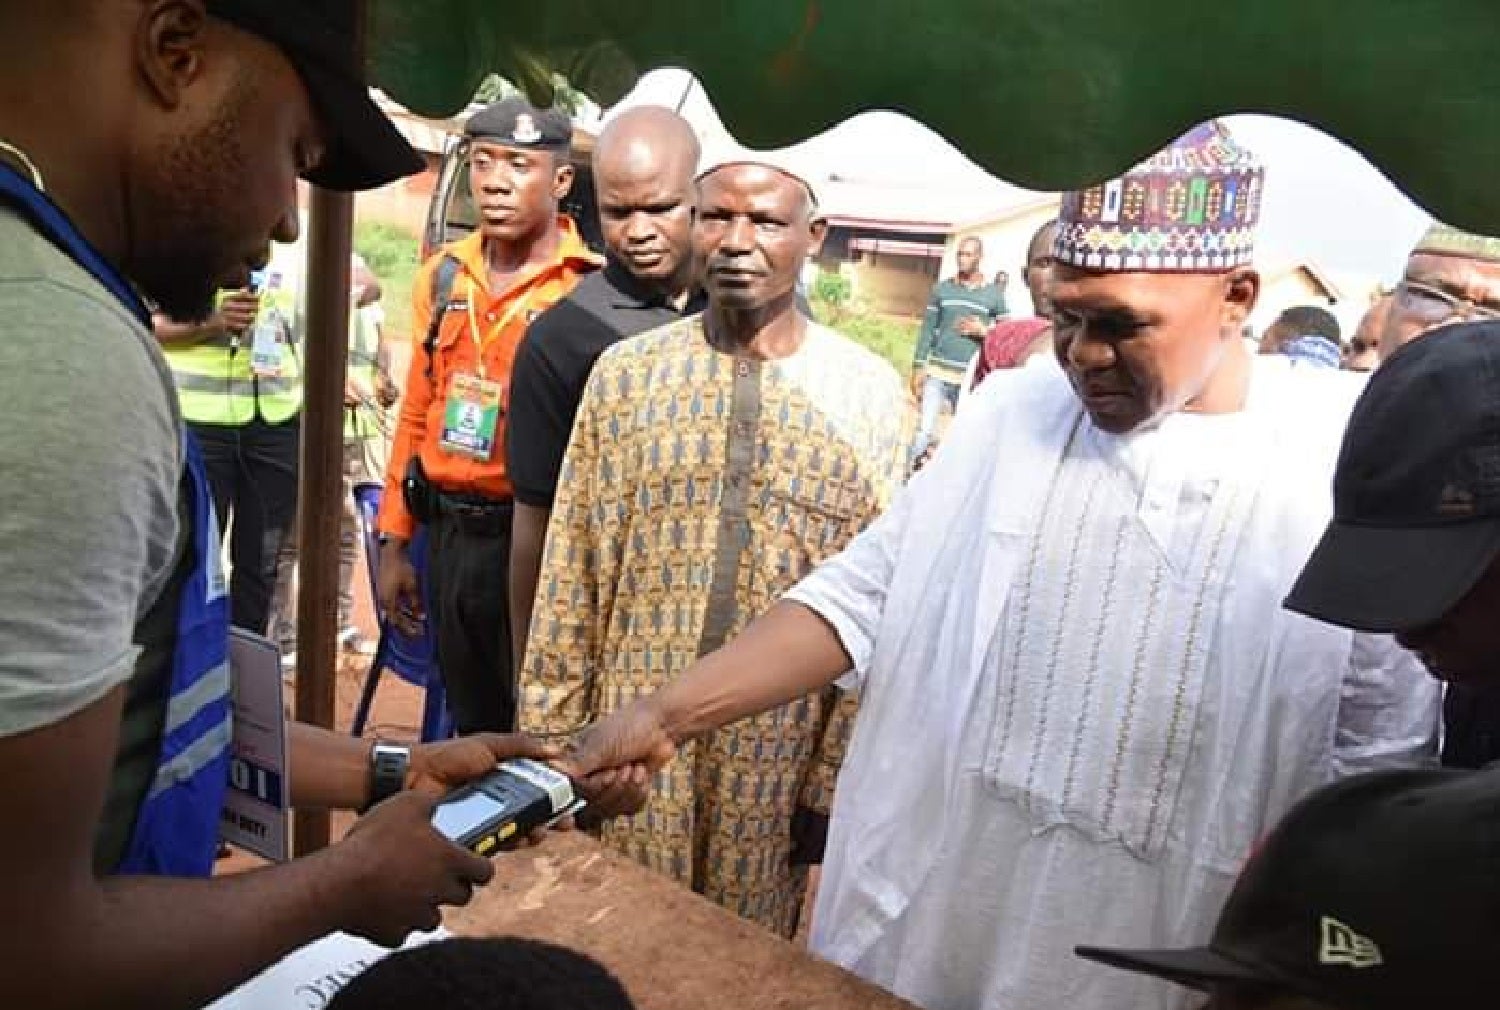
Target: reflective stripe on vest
column 216, row 386
column 215, row 382
column 198, row 712
column 363, row 370
column 207, row 386
column 176, row 828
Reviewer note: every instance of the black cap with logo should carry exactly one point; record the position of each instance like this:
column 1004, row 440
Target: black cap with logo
column 365, row 150
column 1381, row 892
column 515, row 122
column 1416, row 496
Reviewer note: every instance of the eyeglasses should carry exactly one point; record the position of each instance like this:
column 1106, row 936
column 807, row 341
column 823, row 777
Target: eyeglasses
column 1434, row 305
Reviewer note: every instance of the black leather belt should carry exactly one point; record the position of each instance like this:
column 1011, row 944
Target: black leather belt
column 472, row 506
column 485, row 517
column 474, row 514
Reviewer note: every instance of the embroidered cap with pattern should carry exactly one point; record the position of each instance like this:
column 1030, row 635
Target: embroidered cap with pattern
column 1192, row 207
column 1381, row 892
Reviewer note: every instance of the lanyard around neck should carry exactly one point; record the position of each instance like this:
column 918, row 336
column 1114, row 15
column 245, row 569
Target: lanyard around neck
column 482, row 339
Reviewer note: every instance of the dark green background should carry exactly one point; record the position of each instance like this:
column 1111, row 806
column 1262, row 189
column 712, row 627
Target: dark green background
column 1049, row 94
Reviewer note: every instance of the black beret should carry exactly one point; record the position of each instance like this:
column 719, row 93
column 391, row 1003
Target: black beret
column 515, row 123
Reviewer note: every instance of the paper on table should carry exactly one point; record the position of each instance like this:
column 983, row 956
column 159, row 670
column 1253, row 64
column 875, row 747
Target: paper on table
column 309, row 978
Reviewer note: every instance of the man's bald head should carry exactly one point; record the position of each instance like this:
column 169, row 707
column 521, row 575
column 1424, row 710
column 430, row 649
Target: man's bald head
column 653, row 131
column 644, row 162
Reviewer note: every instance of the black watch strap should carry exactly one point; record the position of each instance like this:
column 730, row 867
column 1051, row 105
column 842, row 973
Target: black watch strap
column 389, row 763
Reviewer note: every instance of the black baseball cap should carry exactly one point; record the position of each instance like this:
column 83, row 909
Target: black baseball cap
column 365, row 150
column 1381, row 892
column 515, row 122
column 1416, row 496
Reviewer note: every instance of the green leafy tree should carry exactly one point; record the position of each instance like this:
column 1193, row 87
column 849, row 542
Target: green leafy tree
column 834, row 290
column 564, row 96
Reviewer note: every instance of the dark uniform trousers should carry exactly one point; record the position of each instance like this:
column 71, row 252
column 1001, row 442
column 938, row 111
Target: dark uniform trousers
column 252, row 469
column 468, row 564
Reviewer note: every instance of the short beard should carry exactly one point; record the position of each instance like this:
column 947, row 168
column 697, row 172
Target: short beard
column 186, row 295
column 185, row 239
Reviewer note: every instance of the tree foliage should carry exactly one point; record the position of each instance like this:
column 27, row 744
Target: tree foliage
column 564, row 96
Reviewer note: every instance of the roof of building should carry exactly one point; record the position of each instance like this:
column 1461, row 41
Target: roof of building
column 879, row 170
column 915, row 209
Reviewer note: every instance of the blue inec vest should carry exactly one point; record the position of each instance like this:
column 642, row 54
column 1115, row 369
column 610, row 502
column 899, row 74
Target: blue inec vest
column 177, row 828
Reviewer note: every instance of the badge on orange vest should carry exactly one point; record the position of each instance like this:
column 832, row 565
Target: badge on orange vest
column 255, row 808
column 471, row 417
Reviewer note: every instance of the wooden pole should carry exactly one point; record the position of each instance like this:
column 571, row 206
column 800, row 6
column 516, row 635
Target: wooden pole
column 320, row 496
column 320, row 505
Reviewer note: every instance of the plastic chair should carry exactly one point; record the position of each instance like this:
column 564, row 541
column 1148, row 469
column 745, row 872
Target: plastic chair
column 413, row 659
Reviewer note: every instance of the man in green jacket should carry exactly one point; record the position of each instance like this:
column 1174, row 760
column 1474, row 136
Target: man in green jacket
column 959, row 313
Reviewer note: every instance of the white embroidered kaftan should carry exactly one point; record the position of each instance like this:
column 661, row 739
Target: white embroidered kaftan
column 1083, row 702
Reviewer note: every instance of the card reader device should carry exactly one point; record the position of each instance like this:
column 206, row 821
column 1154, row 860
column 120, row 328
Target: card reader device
column 515, row 799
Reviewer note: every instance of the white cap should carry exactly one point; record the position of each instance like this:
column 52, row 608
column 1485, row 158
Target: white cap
column 727, row 153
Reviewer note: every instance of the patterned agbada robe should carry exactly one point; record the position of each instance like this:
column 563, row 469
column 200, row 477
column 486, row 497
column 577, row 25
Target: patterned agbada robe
column 698, row 487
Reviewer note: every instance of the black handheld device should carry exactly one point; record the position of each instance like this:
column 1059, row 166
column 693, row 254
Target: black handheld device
column 516, row 798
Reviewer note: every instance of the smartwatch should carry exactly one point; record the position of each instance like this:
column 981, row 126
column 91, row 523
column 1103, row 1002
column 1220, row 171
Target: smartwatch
column 389, row 763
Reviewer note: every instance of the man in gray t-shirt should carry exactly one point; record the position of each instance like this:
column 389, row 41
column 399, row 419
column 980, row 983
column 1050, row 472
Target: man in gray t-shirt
column 185, row 124
column 89, row 529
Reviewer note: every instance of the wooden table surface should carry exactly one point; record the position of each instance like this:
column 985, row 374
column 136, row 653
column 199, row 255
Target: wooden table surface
column 672, row 949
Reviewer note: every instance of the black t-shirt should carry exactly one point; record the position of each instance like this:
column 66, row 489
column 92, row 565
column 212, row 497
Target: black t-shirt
column 1471, row 728
column 553, row 364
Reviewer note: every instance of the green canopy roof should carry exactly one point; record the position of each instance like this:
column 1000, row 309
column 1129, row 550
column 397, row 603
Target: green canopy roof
column 1049, row 94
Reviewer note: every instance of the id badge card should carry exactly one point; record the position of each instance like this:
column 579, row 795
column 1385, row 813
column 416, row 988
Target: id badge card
column 266, row 347
column 471, row 417
column 256, row 805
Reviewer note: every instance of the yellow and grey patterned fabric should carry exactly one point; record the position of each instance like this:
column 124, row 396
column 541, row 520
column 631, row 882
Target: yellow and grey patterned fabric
column 698, row 487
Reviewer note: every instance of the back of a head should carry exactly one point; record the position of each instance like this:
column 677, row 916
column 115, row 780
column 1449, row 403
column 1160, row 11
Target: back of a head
column 1310, row 321
column 498, row 974
column 1040, row 246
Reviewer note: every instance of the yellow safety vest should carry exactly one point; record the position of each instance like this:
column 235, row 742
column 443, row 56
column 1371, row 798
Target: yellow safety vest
column 364, row 367
column 216, row 383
